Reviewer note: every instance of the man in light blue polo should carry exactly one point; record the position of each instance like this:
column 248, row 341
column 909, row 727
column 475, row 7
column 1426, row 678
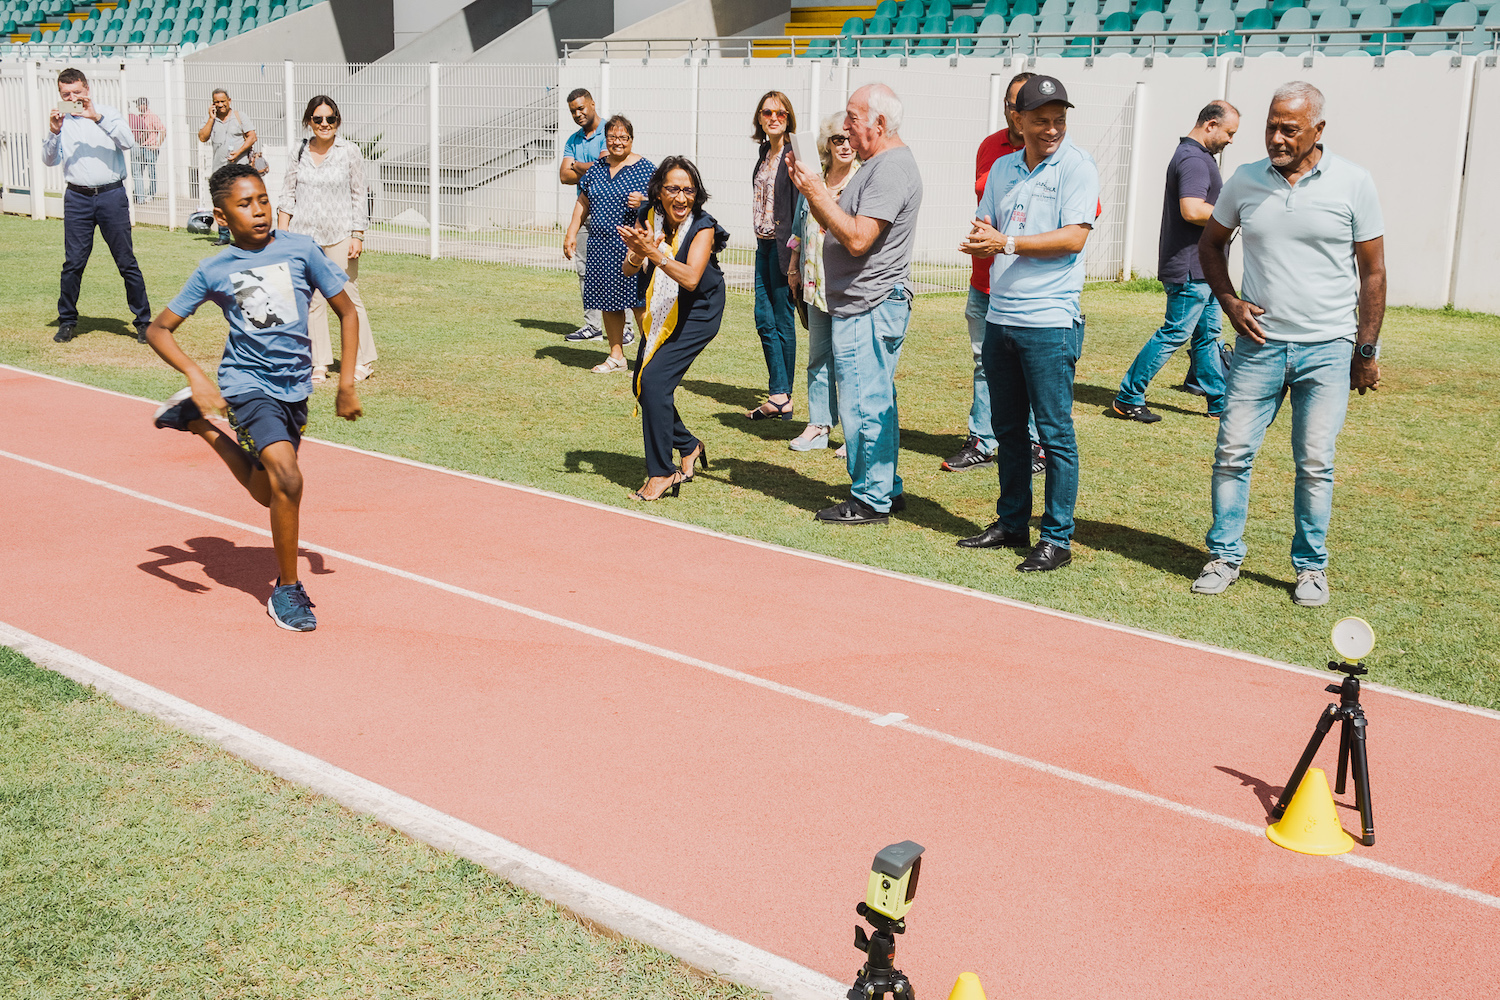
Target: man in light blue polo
column 1038, row 209
column 870, row 232
column 1308, row 319
column 90, row 140
column 579, row 153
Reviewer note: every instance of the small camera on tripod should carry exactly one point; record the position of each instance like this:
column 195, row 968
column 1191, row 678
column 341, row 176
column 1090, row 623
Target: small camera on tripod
column 888, row 896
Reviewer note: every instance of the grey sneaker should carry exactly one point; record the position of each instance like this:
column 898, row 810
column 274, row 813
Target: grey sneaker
column 585, row 333
column 1312, row 588
column 1216, row 577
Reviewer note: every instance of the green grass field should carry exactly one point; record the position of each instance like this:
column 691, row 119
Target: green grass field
column 475, row 375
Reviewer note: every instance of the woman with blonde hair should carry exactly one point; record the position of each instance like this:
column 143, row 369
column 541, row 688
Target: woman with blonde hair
column 323, row 196
column 772, row 198
column 806, row 274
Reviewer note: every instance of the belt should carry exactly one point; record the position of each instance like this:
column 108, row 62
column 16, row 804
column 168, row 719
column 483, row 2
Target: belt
column 94, row 192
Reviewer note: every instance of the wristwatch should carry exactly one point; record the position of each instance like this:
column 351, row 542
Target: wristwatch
column 1010, row 245
column 1368, row 351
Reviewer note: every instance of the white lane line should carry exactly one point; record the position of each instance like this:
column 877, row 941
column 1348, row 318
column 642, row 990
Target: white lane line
column 625, row 913
column 919, row 581
column 886, row 720
column 1089, row 781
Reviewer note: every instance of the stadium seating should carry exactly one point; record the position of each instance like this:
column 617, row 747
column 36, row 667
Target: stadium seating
column 141, row 26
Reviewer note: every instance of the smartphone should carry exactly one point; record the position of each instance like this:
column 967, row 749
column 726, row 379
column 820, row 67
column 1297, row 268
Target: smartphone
column 803, row 148
column 70, row 107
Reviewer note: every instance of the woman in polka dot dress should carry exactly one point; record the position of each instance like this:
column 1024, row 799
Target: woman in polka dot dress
column 608, row 195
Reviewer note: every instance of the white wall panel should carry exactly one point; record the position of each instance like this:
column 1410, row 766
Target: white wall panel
column 1477, row 278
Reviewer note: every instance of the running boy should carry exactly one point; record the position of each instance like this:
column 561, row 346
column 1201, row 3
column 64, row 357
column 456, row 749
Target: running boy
column 262, row 282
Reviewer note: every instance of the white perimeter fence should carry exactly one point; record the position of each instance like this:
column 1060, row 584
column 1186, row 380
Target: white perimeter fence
column 476, row 147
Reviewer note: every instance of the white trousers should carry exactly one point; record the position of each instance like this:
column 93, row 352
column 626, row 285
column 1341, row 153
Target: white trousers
column 317, row 313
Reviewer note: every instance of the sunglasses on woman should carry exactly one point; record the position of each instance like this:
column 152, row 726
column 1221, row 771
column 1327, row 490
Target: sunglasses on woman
column 769, row 113
column 325, row 119
column 838, row 140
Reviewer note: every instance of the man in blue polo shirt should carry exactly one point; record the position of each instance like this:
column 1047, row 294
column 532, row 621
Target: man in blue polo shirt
column 1308, row 319
column 90, row 140
column 1038, row 209
column 579, row 153
column 1193, row 186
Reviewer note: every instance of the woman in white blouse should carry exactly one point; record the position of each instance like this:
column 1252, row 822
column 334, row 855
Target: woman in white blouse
column 323, row 196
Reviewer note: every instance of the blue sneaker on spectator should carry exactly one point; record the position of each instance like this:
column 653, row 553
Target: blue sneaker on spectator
column 178, row 411
column 290, row 608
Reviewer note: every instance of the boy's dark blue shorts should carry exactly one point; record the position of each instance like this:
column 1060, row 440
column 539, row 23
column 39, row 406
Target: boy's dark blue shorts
column 260, row 420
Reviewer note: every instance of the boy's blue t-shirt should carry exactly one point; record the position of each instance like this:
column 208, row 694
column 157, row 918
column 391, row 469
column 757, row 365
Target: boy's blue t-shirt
column 264, row 295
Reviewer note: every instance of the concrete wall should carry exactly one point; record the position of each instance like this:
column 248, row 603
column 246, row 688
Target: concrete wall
column 468, row 30
column 1477, row 275
column 414, row 18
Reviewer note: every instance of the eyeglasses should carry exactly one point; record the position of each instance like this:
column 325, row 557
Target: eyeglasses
column 617, row 137
column 838, row 140
column 325, row 119
column 673, row 190
column 772, row 113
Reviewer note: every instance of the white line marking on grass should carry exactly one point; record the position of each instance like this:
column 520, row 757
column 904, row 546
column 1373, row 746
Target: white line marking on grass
column 920, row 581
column 1076, row 777
column 640, row 919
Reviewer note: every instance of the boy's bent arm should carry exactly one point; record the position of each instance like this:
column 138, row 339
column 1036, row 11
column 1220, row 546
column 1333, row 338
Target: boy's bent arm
column 206, row 395
column 347, row 404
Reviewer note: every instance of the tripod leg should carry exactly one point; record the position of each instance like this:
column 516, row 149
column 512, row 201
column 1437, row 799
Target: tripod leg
column 1343, row 754
column 1325, row 723
column 1362, row 782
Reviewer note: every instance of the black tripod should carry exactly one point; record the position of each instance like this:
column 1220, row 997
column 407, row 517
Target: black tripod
column 1351, row 744
column 879, row 975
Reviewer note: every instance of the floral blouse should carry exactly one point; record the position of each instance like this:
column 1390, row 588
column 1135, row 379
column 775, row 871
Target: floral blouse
column 326, row 200
column 763, row 204
column 809, row 233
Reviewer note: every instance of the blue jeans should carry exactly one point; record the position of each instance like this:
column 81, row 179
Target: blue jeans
column 979, row 411
column 822, row 391
column 1192, row 314
column 143, row 162
column 775, row 320
column 110, row 212
column 1317, row 378
column 866, row 349
column 1033, row 368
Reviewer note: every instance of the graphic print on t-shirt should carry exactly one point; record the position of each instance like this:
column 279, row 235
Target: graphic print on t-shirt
column 265, row 295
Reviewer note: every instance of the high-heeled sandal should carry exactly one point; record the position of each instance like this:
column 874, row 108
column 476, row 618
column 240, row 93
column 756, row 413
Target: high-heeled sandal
column 701, row 456
column 675, row 487
column 782, row 411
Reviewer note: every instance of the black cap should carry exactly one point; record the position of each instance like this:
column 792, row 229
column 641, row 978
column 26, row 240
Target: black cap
column 1041, row 90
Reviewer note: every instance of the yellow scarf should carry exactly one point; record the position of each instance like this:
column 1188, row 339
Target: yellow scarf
column 660, row 316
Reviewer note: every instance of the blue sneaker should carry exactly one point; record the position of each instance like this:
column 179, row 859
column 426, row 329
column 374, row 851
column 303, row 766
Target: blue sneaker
column 290, row 608
column 179, row 411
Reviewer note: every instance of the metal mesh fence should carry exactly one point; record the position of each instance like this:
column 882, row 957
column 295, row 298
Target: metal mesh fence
column 479, row 154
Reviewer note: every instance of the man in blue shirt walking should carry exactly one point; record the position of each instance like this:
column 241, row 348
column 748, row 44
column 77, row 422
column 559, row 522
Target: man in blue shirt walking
column 90, row 143
column 1193, row 185
column 1038, row 209
column 579, row 153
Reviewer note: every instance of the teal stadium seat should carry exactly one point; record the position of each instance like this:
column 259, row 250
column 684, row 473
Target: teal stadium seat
column 1084, row 26
column 852, row 28
column 905, row 25
column 1144, row 7
column 934, row 37
column 1112, row 7
column 1152, row 21
column 1051, row 7
column 1051, row 23
column 278, row 12
column 914, row 8
column 888, row 9
column 1280, row 7
column 1022, row 26
column 1118, row 21
column 817, row 48
column 86, row 37
column 137, row 38
column 190, row 37
column 874, row 46
column 991, row 25
column 1001, row 7
column 964, row 27
column 940, row 8
column 1023, row 7
column 1220, row 24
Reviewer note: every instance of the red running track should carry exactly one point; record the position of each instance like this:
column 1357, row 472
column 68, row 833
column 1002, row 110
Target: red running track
column 1090, row 832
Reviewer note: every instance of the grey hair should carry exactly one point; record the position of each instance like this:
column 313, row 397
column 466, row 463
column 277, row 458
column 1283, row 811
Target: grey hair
column 219, row 90
column 1303, row 91
column 832, row 125
column 883, row 103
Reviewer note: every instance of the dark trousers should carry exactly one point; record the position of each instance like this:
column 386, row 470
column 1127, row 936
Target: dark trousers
column 110, row 212
column 661, row 425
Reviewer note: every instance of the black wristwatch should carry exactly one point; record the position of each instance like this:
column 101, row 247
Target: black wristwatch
column 1368, row 351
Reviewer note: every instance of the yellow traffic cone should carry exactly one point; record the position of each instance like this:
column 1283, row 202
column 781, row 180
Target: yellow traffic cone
column 967, row 988
column 1311, row 824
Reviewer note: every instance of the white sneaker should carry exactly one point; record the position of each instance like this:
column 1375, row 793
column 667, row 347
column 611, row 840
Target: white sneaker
column 1312, row 589
column 1216, row 577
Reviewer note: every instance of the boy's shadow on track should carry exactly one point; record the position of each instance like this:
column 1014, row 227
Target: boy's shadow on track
column 250, row 569
column 546, row 326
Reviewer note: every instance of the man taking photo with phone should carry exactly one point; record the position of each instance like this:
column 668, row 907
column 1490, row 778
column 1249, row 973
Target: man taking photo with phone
column 90, row 140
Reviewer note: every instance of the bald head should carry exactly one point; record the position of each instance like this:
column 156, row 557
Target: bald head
column 872, row 120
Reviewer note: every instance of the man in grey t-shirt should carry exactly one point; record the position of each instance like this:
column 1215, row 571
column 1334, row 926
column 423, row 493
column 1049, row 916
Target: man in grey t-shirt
column 870, row 232
column 232, row 135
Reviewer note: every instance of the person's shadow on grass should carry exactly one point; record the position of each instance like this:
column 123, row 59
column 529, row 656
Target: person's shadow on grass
column 573, row 357
column 627, row 471
column 1094, row 395
column 546, row 326
column 101, row 324
column 250, row 569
